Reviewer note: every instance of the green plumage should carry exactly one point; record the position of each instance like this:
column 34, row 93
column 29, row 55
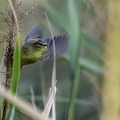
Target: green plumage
column 32, row 52
column 35, row 48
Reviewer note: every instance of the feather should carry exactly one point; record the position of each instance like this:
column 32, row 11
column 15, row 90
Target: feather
column 34, row 35
column 61, row 46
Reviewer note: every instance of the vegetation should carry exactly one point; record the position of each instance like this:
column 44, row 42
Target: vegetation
column 87, row 86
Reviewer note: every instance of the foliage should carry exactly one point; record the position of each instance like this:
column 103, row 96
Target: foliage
column 79, row 72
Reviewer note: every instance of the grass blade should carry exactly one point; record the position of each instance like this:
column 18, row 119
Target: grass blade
column 16, row 61
column 15, row 75
column 74, row 49
column 53, row 73
column 16, row 67
column 56, row 15
column 87, row 64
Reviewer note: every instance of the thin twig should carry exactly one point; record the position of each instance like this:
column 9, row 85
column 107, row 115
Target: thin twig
column 15, row 16
column 43, row 87
column 33, row 98
column 53, row 72
column 49, row 103
column 1, row 77
column 2, row 63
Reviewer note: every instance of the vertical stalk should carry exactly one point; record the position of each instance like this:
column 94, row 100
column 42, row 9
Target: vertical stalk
column 53, row 72
column 111, row 87
column 74, row 91
column 74, row 49
column 9, row 55
column 9, row 61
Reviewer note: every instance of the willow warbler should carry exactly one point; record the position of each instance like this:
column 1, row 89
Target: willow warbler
column 35, row 48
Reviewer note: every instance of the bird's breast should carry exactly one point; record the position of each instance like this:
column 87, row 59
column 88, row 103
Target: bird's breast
column 31, row 56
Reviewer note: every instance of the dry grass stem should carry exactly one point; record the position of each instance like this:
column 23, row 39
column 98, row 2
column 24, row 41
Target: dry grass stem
column 25, row 107
column 53, row 72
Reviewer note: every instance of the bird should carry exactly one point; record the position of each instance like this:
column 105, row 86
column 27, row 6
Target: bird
column 36, row 48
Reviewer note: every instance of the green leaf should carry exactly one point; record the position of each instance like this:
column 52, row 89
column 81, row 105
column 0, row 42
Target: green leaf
column 75, row 43
column 92, row 46
column 74, row 34
column 16, row 67
column 91, row 66
column 88, row 65
column 57, row 16
column 15, row 75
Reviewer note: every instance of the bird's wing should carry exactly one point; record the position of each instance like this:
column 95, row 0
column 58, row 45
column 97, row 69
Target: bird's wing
column 61, row 46
column 34, row 34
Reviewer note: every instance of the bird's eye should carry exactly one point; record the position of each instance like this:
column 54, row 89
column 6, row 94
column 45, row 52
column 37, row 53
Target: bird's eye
column 40, row 44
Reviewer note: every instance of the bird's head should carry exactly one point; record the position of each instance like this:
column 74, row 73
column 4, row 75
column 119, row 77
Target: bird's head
column 37, row 45
column 34, row 41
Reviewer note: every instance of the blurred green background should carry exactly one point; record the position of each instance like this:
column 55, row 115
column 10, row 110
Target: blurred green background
column 92, row 18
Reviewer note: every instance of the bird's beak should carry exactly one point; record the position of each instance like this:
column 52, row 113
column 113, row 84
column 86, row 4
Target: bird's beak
column 45, row 44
